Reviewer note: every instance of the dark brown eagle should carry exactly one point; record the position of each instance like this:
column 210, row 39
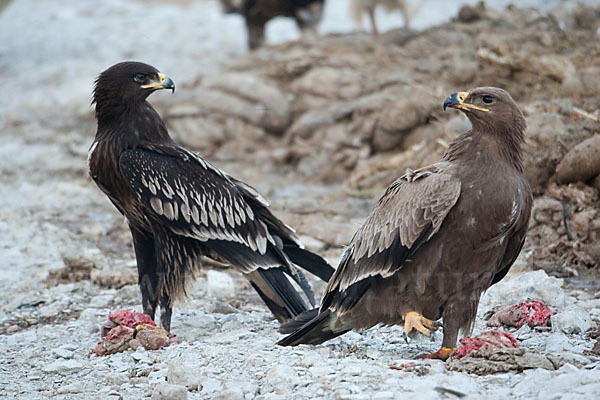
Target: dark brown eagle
column 257, row 13
column 438, row 238
column 179, row 207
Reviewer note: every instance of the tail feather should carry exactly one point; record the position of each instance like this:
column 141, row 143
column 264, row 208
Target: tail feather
column 277, row 292
column 274, row 305
column 293, row 324
column 301, row 280
column 310, row 262
column 315, row 331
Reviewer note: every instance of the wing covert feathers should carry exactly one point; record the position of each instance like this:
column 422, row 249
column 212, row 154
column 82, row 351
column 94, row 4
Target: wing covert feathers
column 193, row 199
column 408, row 215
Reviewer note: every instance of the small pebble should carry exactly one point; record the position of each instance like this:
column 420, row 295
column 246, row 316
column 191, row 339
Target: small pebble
column 165, row 391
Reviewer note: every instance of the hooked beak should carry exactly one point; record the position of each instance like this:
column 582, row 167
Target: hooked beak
column 163, row 82
column 457, row 100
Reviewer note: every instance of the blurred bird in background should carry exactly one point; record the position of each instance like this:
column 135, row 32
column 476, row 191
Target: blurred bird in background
column 359, row 7
column 257, row 13
column 3, row 4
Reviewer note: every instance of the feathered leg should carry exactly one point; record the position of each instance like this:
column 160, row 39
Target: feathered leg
column 147, row 274
column 177, row 258
column 166, row 311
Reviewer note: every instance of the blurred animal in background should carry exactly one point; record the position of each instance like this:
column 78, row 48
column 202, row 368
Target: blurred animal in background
column 180, row 207
column 3, row 4
column 359, row 7
column 257, row 13
column 439, row 237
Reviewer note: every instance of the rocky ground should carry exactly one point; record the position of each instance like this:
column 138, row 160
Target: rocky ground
column 320, row 126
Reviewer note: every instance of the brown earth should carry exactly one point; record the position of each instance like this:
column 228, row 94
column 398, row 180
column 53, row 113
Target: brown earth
column 345, row 110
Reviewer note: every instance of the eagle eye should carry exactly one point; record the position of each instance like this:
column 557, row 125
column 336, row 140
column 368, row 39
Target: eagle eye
column 139, row 78
column 488, row 99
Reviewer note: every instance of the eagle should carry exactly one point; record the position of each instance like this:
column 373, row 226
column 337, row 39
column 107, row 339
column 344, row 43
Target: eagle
column 257, row 13
column 438, row 238
column 179, row 207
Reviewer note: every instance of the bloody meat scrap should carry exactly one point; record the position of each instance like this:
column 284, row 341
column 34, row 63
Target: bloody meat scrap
column 128, row 330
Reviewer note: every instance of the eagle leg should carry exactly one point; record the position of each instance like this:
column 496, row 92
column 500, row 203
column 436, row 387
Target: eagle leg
column 143, row 245
column 441, row 354
column 165, row 312
column 415, row 321
column 148, row 303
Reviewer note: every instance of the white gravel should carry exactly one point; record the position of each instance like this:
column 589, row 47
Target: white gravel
column 51, row 53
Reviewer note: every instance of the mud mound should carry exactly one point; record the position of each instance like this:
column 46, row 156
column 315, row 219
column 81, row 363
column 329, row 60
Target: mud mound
column 346, row 109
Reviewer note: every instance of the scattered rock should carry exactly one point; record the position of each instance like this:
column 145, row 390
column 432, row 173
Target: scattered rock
column 542, row 150
column 63, row 367
column 116, row 379
column 203, row 323
column 281, row 379
column 557, row 343
column 88, row 317
column 535, row 285
column 73, row 388
column 383, row 396
column 62, row 353
column 581, row 163
column 328, row 82
column 275, row 106
column 179, row 374
column 221, row 307
column 113, row 280
column 230, row 394
column 50, row 310
column 165, row 391
column 101, row 301
column 220, row 285
column 573, row 320
column 75, row 270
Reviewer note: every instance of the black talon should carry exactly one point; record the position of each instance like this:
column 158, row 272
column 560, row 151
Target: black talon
column 438, row 324
column 405, row 337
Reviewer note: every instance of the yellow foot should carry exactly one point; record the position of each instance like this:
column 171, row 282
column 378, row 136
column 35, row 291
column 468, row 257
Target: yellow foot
column 414, row 320
column 441, row 354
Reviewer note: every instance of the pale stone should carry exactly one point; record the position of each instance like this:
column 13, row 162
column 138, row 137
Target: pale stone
column 220, row 285
column 63, row 366
column 165, row 391
column 571, row 321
